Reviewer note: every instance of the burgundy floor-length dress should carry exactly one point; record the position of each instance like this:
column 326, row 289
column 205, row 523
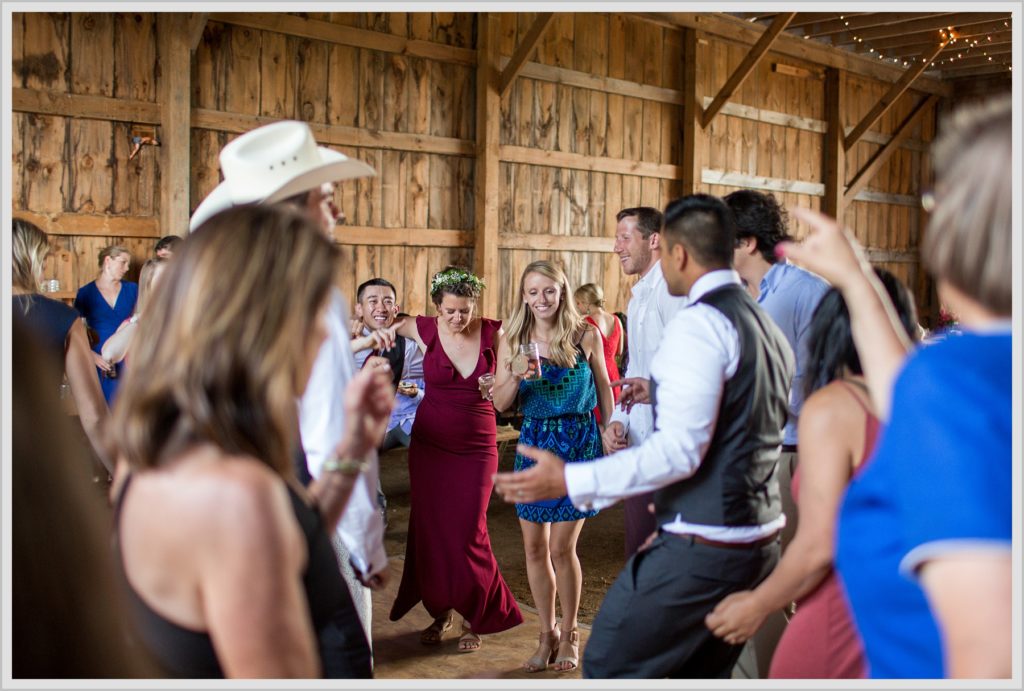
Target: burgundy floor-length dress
column 452, row 457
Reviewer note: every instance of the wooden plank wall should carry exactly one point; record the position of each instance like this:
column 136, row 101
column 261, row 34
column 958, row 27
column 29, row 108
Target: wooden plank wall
column 590, row 126
column 538, row 114
column 76, row 169
column 770, row 136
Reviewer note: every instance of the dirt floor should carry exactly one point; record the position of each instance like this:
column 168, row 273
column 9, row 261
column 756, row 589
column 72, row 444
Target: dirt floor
column 600, row 546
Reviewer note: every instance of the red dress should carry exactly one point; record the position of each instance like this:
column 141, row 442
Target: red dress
column 611, row 346
column 452, row 457
column 820, row 641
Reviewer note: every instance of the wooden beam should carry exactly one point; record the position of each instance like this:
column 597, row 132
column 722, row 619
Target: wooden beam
column 691, row 133
column 744, row 69
column 833, row 152
column 93, row 225
column 921, row 25
column 565, row 243
column 292, row 25
column 866, row 21
column 817, row 18
column 196, row 25
column 1001, row 40
column 338, row 135
column 967, row 33
column 488, row 166
column 980, row 70
column 895, row 91
column 869, row 170
column 524, row 50
column 175, row 91
column 402, row 237
column 974, row 59
column 596, row 164
column 878, row 256
column 737, row 30
column 622, row 87
column 84, row 106
column 729, row 178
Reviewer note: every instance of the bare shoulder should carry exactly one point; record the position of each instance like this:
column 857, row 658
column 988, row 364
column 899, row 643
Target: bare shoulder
column 832, row 412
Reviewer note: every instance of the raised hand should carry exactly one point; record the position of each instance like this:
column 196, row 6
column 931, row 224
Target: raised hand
column 828, row 250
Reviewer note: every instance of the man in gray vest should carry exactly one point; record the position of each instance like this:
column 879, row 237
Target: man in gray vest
column 720, row 388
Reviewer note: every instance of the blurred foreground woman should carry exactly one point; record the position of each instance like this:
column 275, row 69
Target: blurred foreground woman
column 228, row 562
column 924, row 538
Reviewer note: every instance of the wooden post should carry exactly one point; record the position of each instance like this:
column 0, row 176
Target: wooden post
column 691, row 131
column 834, row 164
column 175, row 121
column 488, row 140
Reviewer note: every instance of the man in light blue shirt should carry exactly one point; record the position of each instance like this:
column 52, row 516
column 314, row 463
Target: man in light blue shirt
column 789, row 295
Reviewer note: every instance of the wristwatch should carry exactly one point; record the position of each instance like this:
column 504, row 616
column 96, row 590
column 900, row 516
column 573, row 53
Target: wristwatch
column 346, row 466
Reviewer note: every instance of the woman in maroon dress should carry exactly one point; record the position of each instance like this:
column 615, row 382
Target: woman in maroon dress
column 449, row 564
column 838, row 429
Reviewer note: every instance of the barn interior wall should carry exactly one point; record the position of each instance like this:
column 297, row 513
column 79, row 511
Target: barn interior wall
column 591, row 125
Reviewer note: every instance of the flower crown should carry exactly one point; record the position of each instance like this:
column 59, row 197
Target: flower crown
column 453, row 277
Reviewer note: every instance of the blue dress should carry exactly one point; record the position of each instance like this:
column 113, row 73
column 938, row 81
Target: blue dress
column 104, row 320
column 941, row 480
column 558, row 416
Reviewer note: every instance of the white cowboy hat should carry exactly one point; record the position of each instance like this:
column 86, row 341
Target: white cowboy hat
column 272, row 163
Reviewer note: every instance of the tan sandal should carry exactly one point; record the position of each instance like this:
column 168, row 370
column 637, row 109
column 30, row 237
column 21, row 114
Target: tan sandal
column 568, row 651
column 545, row 655
column 469, row 642
column 433, row 634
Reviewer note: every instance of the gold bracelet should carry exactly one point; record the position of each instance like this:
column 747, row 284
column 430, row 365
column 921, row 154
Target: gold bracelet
column 346, row 466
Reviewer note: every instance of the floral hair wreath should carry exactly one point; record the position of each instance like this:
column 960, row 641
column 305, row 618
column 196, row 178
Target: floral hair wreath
column 453, row 277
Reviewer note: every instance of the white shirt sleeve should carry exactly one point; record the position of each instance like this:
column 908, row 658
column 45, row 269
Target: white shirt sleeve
column 322, row 423
column 699, row 352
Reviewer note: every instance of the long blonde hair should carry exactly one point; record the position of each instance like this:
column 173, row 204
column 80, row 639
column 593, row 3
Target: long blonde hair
column 146, row 275
column 568, row 322
column 226, row 340
column 590, row 294
column 29, row 246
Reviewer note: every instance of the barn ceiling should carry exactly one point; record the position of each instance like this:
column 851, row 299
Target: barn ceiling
column 977, row 43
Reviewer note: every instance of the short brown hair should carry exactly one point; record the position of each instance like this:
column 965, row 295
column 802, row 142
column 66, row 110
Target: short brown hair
column 969, row 240
column 648, row 219
column 112, row 251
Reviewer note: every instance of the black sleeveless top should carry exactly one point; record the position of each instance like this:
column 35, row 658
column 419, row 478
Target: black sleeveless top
column 48, row 319
column 189, row 653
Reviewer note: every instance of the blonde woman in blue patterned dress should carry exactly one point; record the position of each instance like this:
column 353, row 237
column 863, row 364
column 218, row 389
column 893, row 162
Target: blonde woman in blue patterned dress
column 558, row 415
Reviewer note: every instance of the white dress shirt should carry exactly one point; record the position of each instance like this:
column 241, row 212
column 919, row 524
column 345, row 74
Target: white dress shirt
column 322, row 423
column 650, row 308
column 699, row 353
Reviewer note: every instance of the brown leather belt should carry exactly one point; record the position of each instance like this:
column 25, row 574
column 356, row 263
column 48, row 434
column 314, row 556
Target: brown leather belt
column 768, row 539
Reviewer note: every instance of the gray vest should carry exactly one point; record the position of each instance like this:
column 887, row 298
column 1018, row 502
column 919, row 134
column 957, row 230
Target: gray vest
column 736, row 483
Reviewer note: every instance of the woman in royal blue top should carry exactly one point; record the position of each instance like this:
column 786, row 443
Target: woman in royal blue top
column 104, row 304
column 924, row 536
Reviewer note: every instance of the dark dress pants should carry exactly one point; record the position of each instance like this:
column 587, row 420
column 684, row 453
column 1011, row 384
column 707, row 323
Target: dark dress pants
column 651, row 623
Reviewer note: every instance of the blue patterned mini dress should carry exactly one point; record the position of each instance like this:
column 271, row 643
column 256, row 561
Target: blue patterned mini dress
column 558, row 416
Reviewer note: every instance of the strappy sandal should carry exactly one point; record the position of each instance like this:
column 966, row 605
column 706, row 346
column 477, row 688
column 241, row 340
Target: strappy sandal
column 433, row 634
column 545, row 655
column 469, row 642
column 568, row 651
